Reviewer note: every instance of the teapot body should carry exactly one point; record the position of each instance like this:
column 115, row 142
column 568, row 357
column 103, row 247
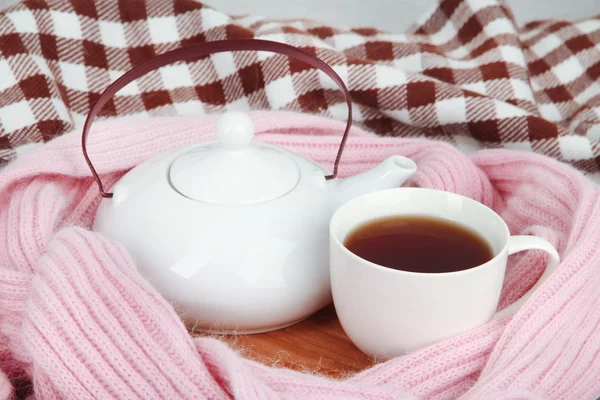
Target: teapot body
column 226, row 269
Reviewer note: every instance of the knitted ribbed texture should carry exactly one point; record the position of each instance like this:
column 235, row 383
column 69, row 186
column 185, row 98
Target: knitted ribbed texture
column 78, row 319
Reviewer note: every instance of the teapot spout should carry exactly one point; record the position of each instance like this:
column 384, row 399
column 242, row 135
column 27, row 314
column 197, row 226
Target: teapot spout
column 391, row 173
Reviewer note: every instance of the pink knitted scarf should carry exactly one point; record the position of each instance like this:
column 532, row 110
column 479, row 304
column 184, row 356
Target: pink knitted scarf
column 78, row 320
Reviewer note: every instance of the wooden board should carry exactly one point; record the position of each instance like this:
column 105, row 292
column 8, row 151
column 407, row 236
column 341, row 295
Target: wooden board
column 317, row 345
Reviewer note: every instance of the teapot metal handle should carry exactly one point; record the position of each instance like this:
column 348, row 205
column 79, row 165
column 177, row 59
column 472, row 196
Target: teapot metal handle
column 202, row 49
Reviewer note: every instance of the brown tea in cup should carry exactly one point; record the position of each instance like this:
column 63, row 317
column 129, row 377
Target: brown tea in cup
column 419, row 244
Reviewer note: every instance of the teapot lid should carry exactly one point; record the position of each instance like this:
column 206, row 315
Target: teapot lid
column 234, row 171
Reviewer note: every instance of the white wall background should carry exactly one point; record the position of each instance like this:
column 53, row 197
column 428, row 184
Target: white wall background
column 388, row 15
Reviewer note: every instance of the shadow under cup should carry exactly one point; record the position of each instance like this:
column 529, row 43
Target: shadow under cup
column 388, row 312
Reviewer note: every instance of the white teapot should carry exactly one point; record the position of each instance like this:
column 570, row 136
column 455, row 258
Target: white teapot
column 233, row 232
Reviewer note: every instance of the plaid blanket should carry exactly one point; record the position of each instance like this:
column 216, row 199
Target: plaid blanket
column 465, row 73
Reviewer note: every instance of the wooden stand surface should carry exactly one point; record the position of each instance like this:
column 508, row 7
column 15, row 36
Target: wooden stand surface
column 316, row 345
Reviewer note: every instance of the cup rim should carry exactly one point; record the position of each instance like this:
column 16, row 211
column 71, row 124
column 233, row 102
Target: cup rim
column 336, row 216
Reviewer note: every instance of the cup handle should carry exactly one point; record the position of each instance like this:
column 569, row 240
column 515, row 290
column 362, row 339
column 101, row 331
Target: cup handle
column 524, row 242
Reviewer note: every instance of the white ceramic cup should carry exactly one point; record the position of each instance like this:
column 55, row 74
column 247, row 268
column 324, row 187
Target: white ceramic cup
column 387, row 312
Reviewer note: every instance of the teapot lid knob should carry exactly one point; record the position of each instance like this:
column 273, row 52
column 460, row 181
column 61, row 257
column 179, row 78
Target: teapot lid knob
column 234, row 130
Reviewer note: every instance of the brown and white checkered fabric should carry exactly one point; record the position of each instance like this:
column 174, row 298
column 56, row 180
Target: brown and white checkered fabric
column 465, row 73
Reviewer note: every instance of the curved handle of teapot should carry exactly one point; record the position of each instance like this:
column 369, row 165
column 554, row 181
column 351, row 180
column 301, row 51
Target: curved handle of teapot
column 202, row 49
